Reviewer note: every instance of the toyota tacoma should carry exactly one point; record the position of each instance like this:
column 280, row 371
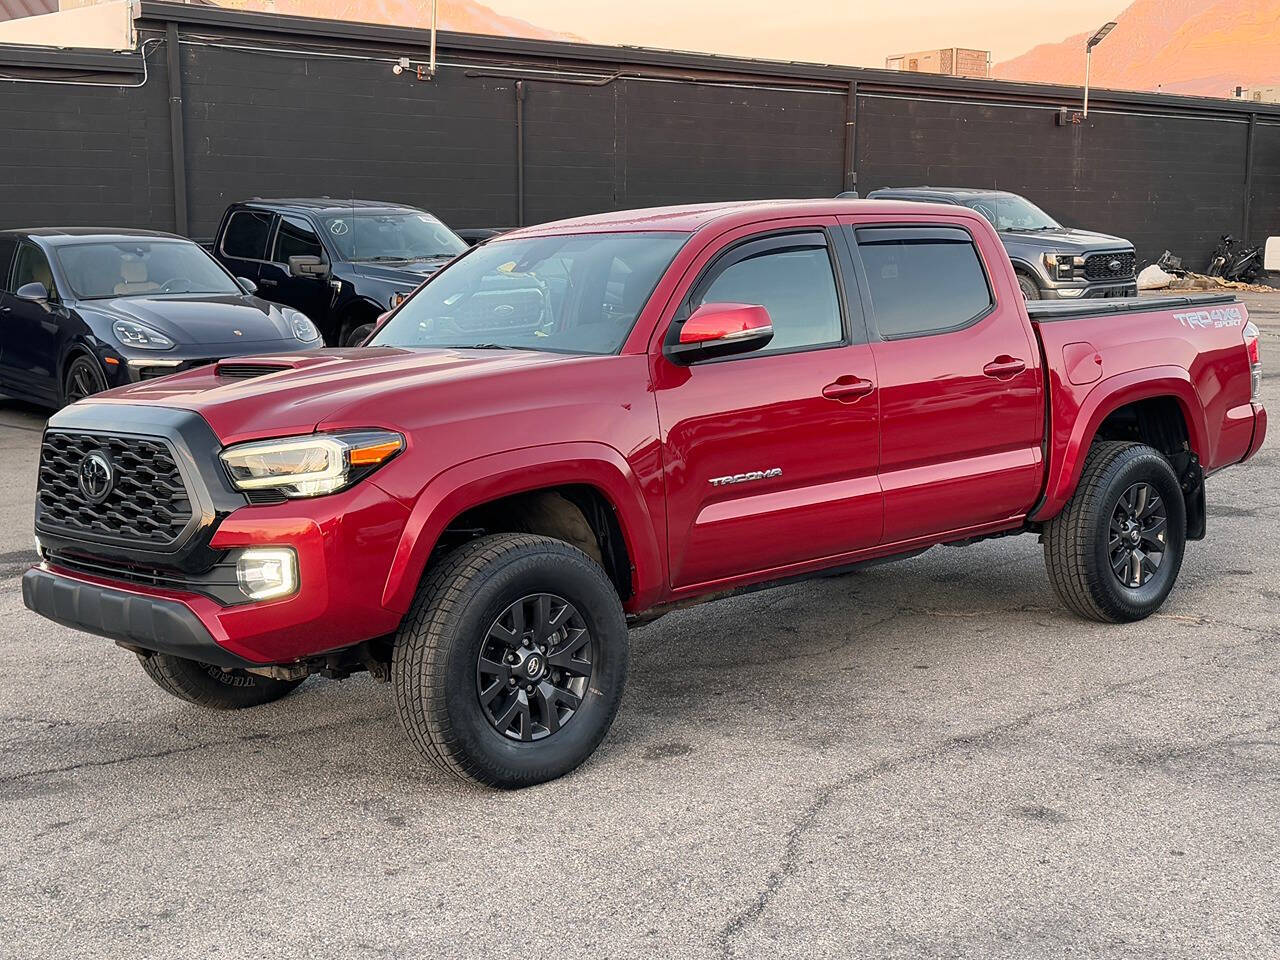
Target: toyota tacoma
column 586, row 423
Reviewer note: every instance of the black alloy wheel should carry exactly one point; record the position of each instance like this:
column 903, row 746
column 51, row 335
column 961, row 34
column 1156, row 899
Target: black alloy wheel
column 1138, row 530
column 534, row 667
column 84, row 379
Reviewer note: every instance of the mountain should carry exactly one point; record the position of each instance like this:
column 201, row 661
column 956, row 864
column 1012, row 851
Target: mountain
column 1203, row 47
column 464, row 16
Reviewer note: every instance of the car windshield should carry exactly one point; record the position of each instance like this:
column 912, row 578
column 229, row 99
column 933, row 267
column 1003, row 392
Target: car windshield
column 1013, row 213
column 568, row 294
column 363, row 237
column 141, row 268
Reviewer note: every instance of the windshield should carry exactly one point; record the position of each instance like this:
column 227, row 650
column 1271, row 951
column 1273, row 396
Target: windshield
column 569, row 294
column 1013, row 213
column 141, row 268
column 363, row 237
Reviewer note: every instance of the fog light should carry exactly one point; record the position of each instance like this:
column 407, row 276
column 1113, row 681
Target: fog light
column 267, row 574
column 1070, row 293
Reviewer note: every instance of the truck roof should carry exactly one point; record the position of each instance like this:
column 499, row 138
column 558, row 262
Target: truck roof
column 59, row 234
column 946, row 191
column 324, row 204
column 694, row 216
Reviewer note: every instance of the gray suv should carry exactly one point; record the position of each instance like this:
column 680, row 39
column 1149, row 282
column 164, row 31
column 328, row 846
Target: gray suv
column 1052, row 262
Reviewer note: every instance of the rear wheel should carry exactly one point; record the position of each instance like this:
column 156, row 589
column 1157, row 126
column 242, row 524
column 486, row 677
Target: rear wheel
column 358, row 334
column 84, row 378
column 509, row 669
column 1030, row 291
column 209, row 686
column 1114, row 552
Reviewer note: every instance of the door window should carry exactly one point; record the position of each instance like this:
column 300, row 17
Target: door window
column 923, row 280
column 246, row 235
column 295, row 238
column 792, row 278
column 32, row 266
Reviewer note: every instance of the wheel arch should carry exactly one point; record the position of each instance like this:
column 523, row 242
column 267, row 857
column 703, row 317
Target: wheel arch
column 1158, row 406
column 357, row 308
column 593, row 477
column 73, row 349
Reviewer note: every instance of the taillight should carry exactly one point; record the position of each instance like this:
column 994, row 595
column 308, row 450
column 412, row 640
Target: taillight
column 1255, row 360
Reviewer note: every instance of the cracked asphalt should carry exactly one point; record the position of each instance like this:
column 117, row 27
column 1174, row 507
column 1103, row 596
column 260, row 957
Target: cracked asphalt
column 922, row 759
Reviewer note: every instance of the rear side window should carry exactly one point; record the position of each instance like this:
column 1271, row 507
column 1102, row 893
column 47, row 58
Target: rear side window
column 7, row 246
column 923, row 280
column 295, row 238
column 795, row 283
column 246, row 235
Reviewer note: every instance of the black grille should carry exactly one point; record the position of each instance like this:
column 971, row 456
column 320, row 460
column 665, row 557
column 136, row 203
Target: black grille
column 148, row 504
column 247, row 371
column 1109, row 266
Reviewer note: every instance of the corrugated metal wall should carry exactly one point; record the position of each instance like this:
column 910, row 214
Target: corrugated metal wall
column 300, row 114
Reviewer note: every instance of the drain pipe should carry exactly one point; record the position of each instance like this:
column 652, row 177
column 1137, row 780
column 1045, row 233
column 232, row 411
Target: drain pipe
column 435, row 5
column 519, row 85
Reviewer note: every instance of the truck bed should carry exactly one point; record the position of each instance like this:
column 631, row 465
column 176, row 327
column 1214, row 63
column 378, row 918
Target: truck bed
column 1048, row 311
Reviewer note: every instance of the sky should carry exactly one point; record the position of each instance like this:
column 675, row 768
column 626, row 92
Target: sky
column 824, row 31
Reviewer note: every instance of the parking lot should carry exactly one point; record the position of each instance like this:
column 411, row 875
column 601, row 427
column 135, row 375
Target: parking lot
column 928, row 758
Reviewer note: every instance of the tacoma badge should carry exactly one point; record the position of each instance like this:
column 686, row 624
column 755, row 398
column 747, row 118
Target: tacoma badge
column 744, row 477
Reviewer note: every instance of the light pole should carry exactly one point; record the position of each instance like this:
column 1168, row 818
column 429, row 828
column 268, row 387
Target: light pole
column 1096, row 39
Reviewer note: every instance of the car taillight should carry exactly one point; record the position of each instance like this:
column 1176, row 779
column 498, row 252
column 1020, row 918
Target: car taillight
column 1255, row 360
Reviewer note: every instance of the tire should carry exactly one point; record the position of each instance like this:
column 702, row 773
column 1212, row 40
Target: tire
column 1030, row 291
column 1080, row 544
column 84, row 378
column 461, row 613
column 213, row 687
column 357, row 334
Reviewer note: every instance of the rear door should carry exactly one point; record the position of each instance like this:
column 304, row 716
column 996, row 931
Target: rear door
column 295, row 236
column 763, row 471
column 961, row 394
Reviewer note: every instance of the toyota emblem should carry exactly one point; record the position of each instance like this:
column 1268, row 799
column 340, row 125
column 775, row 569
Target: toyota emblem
column 97, row 476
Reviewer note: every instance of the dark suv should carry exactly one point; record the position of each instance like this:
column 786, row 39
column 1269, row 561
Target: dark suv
column 1052, row 262
column 341, row 262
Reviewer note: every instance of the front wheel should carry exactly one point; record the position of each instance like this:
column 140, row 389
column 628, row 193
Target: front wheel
column 358, row 335
column 84, row 378
column 209, row 686
column 509, row 668
column 1028, row 287
column 1114, row 552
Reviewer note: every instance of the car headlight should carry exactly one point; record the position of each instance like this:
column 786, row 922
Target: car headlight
column 312, row 465
column 1062, row 265
column 140, row 336
column 303, row 328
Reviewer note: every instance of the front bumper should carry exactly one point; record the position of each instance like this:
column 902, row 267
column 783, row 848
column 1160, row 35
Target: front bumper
column 137, row 620
column 1089, row 291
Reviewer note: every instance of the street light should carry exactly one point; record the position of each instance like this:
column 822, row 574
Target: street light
column 1096, row 39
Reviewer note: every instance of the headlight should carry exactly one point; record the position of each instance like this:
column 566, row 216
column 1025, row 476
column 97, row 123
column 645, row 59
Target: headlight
column 303, row 328
column 1062, row 266
column 140, row 336
column 312, row 465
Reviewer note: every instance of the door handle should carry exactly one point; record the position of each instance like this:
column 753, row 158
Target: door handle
column 848, row 389
column 1004, row 367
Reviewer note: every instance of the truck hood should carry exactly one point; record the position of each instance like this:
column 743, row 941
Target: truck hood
column 1066, row 240
column 407, row 272
column 209, row 320
column 297, row 393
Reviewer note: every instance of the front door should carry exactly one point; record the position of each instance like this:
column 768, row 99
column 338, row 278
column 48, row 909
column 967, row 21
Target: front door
column 770, row 457
column 295, row 236
column 961, row 398
column 29, row 328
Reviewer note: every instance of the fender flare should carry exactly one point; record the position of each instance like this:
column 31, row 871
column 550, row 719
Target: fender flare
column 1022, row 266
column 492, row 477
column 1066, row 457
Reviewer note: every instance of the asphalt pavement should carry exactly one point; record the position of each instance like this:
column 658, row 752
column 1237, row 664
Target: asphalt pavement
column 923, row 759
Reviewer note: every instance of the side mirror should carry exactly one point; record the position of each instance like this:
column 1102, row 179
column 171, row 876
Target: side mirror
column 720, row 330
column 36, row 292
column 305, row 265
column 248, row 286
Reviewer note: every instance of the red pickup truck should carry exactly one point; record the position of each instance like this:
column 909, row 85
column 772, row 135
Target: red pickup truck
column 595, row 420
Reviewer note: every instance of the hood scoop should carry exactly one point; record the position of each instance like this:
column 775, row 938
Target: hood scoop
column 246, row 368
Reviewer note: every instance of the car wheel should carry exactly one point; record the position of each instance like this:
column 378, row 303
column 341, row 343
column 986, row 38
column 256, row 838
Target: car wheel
column 1114, row 552
column 509, row 668
column 210, row 686
column 84, row 378
column 1028, row 287
column 357, row 335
